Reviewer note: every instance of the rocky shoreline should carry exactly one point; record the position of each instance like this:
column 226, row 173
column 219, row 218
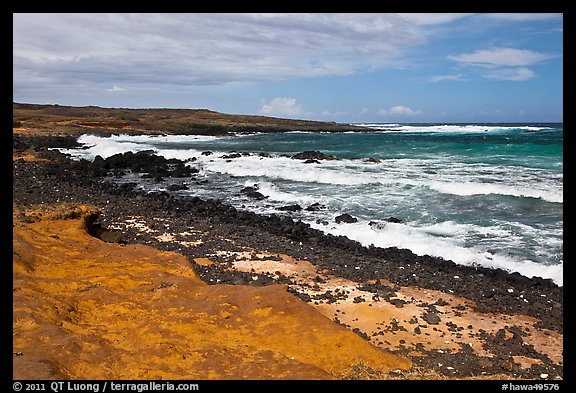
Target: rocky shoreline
column 220, row 238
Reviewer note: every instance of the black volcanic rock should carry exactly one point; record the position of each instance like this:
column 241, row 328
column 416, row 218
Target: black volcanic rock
column 252, row 193
column 290, row 208
column 152, row 165
column 432, row 318
column 347, row 218
column 315, row 207
column 313, row 155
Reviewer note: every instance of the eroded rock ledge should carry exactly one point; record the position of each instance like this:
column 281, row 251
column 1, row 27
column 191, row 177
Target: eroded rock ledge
column 87, row 309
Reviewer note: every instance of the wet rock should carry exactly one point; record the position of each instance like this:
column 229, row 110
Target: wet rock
column 346, row 218
column 315, row 207
column 313, row 155
column 377, row 225
column 177, row 187
column 290, row 208
column 252, row 193
column 231, row 156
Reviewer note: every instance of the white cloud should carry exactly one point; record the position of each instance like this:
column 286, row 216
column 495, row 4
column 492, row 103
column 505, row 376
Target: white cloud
column 502, row 63
column 116, row 89
column 510, row 74
column 441, row 78
column 399, row 110
column 204, row 49
column 282, row 106
column 499, row 57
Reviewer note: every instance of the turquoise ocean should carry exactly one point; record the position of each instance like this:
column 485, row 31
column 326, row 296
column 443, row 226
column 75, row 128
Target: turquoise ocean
column 476, row 194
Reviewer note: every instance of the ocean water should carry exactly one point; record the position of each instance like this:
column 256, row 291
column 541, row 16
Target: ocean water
column 476, row 194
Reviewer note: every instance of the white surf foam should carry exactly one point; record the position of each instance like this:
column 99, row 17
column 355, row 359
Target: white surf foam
column 440, row 240
column 464, row 128
column 467, row 188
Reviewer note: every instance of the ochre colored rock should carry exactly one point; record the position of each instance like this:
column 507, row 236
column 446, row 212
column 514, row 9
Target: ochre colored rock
column 86, row 309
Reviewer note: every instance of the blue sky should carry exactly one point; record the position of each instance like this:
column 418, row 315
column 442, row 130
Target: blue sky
column 334, row 67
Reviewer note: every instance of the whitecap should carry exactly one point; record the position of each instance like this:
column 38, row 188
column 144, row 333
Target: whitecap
column 422, row 241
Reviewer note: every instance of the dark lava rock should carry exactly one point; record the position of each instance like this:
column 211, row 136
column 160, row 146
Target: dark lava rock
column 177, row 187
column 41, row 143
column 232, row 156
column 252, row 193
column 358, row 299
column 382, row 225
column 313, row 155
column 398, row 302
column 315, row 207
column 290, row 208
column 145, row 161
column 432, row 318
column 347, row 218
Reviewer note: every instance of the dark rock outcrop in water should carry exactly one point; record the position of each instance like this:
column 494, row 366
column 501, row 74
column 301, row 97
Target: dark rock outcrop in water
column 252, row 193
column 313, row 155
column 143, row 162
column 346, row 218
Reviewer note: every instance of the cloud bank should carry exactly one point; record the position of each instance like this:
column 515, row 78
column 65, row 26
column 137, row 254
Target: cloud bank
column 202, row 49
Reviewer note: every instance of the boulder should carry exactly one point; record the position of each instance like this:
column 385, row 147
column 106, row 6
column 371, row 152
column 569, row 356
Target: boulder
column 315, row 207
column 346, row 218
column 432, row 318
column 252, row 193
